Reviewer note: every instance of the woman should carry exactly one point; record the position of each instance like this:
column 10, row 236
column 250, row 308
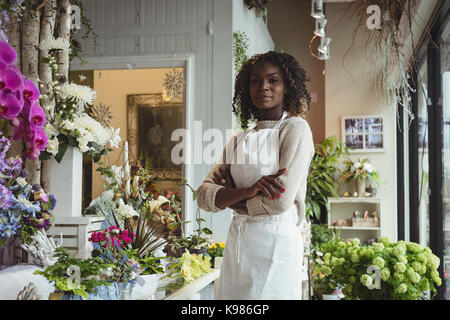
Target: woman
column 264, row 249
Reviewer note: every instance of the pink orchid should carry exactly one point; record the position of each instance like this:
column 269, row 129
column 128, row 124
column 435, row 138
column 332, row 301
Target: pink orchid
column 40, row 139
column 31, row 92
column 10, row 106
column 10, row 78
column 7, row 53
column 32, row 153
column 36, row 116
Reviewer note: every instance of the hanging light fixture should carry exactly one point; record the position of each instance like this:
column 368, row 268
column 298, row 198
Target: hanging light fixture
column 320, row 27
column 317, row 9
column 324, row 49
column 324, row 45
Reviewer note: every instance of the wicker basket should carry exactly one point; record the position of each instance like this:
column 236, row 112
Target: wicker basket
column 365, row 222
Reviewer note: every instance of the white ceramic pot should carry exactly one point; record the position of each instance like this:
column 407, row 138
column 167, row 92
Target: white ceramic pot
column 149, row 286
column 330, row 297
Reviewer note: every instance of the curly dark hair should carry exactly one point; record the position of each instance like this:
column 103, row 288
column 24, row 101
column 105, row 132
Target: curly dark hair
column 297, row 99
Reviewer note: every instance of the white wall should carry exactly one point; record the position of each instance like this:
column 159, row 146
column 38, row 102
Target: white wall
column 349, row 90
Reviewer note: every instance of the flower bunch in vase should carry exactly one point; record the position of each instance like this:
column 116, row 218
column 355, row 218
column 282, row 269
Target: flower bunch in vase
column 112, row 246
column 359, row 171
column 19, row 105
column 69, row 122
column 24, row 208
column 126, row 204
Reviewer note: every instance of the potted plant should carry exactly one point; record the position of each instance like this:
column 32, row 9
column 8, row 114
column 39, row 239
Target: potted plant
column 215, row 251
column 383, row 270
column 152, row 270
column 321, row 180
column 76, row 279
column 195, row 243
column 360, row 171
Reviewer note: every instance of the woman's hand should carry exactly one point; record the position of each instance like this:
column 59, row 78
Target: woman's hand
column 224, row 178
column 268, row 185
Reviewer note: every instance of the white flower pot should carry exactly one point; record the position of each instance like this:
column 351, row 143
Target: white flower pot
column 66, row 183
column 148, row 289
column 330, row 297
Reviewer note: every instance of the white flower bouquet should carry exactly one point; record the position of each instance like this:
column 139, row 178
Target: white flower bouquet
column 361, row 169
column 69, row 122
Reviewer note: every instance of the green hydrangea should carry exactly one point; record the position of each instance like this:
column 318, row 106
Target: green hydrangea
column 399, row 250
column 366, row 280
column 377, row 247
column 421, row 258
column 341, row 245
column 417, row 266
column 402, row 288
column 341, row 261
column 355, row 242
column 327, row 256
column 413, row 276
column 325, row 270
column 403, row 259
column 384, row 240
column 379, row 262
column 436, row 278
column 385, row 274
column 398, row 276
column 370, row 252
column 334, row 262
column 352, row 279
column 414, row 247
column 427, row 250
column 432, row 260
column 399, row 267
column 354, row 258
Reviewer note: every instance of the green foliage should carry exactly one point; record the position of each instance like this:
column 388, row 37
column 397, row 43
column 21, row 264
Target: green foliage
column 240, row 45
column 90, row 273
column 148, row 263
column 321, row 182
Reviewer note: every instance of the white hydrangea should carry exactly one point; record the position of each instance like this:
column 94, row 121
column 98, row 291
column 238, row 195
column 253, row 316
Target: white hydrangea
column 78, row 93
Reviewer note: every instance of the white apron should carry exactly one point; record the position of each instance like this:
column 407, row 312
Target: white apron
column 263, row 256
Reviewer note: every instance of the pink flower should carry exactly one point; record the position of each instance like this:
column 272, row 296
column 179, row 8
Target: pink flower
column 7, row 53
column 10, row 78
column 37, row 116
column 10, row 107
column 31, row 92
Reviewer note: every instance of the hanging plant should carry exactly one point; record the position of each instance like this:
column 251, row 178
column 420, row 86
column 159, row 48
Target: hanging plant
column 383, row 39
column 240, row 46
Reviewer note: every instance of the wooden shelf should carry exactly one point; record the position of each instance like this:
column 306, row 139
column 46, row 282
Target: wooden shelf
column 355, row 228
column 353, row 200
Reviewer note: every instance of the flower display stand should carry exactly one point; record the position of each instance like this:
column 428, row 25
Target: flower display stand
column 75, row 231
column 66, row 183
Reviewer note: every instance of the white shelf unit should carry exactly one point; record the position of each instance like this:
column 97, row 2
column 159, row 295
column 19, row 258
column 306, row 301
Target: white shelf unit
column 343, row 208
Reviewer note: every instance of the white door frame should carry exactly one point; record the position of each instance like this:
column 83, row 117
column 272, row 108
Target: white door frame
column 187, row 61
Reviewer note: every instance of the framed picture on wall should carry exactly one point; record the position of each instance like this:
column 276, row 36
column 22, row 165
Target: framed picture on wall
column 363, row 133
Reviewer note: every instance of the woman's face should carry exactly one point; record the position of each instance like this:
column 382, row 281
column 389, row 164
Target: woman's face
column 266, row 87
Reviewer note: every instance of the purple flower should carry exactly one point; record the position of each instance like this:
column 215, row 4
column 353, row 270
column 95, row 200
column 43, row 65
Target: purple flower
column 5, row 198
column 53, row 200
column 10, row 107
column 7, row 53
column 40, row 139
column 37, row 116
column 31, row 92
column 10, row 78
